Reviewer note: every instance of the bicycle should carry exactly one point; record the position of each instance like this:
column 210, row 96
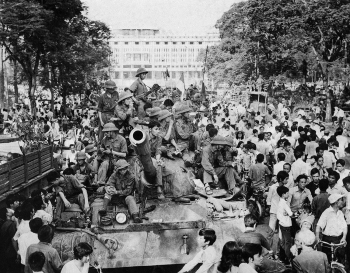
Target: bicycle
column 336, row 267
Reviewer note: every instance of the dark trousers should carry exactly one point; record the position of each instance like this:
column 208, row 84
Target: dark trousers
column 348, row 244
column 286, row 242
column 340, row 252
column 78, row 199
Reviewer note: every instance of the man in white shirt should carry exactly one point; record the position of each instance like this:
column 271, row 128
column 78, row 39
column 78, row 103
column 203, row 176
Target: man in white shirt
column 279, row 165
column 339, row 115
column 333, row 226
column 299, row 166
column 29, row 238
column 207, row 253
column 71, row 154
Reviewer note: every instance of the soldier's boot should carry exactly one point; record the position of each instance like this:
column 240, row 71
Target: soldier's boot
column 136, row 218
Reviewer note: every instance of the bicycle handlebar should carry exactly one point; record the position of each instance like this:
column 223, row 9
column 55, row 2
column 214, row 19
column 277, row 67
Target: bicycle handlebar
column 331, row 244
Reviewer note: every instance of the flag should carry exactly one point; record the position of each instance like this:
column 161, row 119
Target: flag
column 167, row 75
column 182, row 77
column 203, row 91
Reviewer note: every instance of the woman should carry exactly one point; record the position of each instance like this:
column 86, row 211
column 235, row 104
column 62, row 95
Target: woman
column 81, row 261
column 230, row 260
column 239, row 137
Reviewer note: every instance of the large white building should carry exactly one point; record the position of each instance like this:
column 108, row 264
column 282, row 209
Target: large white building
column 157, row 51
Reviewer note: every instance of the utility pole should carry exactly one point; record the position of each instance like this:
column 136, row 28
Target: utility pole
column 2, row 79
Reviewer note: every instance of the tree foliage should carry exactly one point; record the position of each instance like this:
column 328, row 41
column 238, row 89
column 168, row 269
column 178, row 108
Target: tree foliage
column 53, row 42
column 280, row 37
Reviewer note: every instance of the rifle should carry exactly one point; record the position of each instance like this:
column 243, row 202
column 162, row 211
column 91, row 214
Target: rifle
column 155, row 88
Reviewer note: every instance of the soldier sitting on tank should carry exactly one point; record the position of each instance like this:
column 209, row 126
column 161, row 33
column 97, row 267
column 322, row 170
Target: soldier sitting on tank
column 124, row 111
column 69, row 190
column 184, row 128
column 155, row 142
column 214, row 166
column 121, row 185
column 83, row 169
column 167, row 133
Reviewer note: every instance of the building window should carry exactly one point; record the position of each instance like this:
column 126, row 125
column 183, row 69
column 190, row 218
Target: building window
column 165, row 43
column 115, row 43
column 174, row 43
column 173, row 74
column 137, row 57
column 136, row 43
column 137, row 66
column 191, row 43
column 126, row 75
column 200, row 43
column 183, row 43
column 157, row 43
column 147, row 43
column 148, row 66
column 127, row 66
column 126, row 43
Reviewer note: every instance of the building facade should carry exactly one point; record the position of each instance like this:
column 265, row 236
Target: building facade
column 157, row 52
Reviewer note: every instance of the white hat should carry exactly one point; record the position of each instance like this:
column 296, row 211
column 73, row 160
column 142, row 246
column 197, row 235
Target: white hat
column 334, row 197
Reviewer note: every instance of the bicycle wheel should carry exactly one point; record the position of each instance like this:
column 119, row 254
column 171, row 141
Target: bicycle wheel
column 337, row 268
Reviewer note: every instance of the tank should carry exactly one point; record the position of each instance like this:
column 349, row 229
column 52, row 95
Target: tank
column 168, row 236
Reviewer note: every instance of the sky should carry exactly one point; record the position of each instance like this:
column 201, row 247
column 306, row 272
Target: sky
column 173, row 16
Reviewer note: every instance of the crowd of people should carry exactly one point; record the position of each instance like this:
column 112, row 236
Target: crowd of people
column 299, row 167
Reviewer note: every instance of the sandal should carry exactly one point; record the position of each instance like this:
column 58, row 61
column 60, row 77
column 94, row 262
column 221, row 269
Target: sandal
column 208, row 190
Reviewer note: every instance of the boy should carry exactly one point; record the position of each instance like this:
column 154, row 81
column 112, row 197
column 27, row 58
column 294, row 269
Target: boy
column 285, row 222
column 251, row 255
column 36, row 261
column 207, row 254
column 273, row 198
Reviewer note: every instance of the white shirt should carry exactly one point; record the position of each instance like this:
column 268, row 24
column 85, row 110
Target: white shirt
column 328, row 159
column 300, row 167
column 342, row 175
column 278, row 167
column 71, row 267
column 273, row 198
column 22, row 228
column 24, row 241
column 43, row 215
column 246, row 268
column 331, row 223
column 71, row 156
column 284, row 213
column 206, row 256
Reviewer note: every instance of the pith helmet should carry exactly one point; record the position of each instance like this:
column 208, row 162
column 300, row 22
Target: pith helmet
column 152, row 112
column 182, row 109
column 108, row 127
column 121, row 164
column 90, row 148
column 80, row 155
column 219, row 140
column 164, row 114
column 124, row 96
column 110, row 84
column 203, row 109
column 141, row 71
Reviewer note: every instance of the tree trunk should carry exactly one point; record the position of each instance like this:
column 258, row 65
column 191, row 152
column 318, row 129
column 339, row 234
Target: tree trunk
column 15, row 83
column 52, row 100
column 31, row 92
column 329, row 105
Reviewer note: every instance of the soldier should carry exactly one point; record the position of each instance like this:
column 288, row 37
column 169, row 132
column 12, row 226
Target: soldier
column 106, row 105
column 155, row 142
column 214, row 166
column 124, row 112
column 167, row 132
column 184, row 128
column 83, row 168
column 121, row 185
column 196, row 102
column 138, row 88
column 115, row 146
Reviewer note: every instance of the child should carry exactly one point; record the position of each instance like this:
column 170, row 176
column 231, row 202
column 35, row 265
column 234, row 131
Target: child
column 251, row 255
column 207, row 254
column 285, row 222
column 36, row 262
